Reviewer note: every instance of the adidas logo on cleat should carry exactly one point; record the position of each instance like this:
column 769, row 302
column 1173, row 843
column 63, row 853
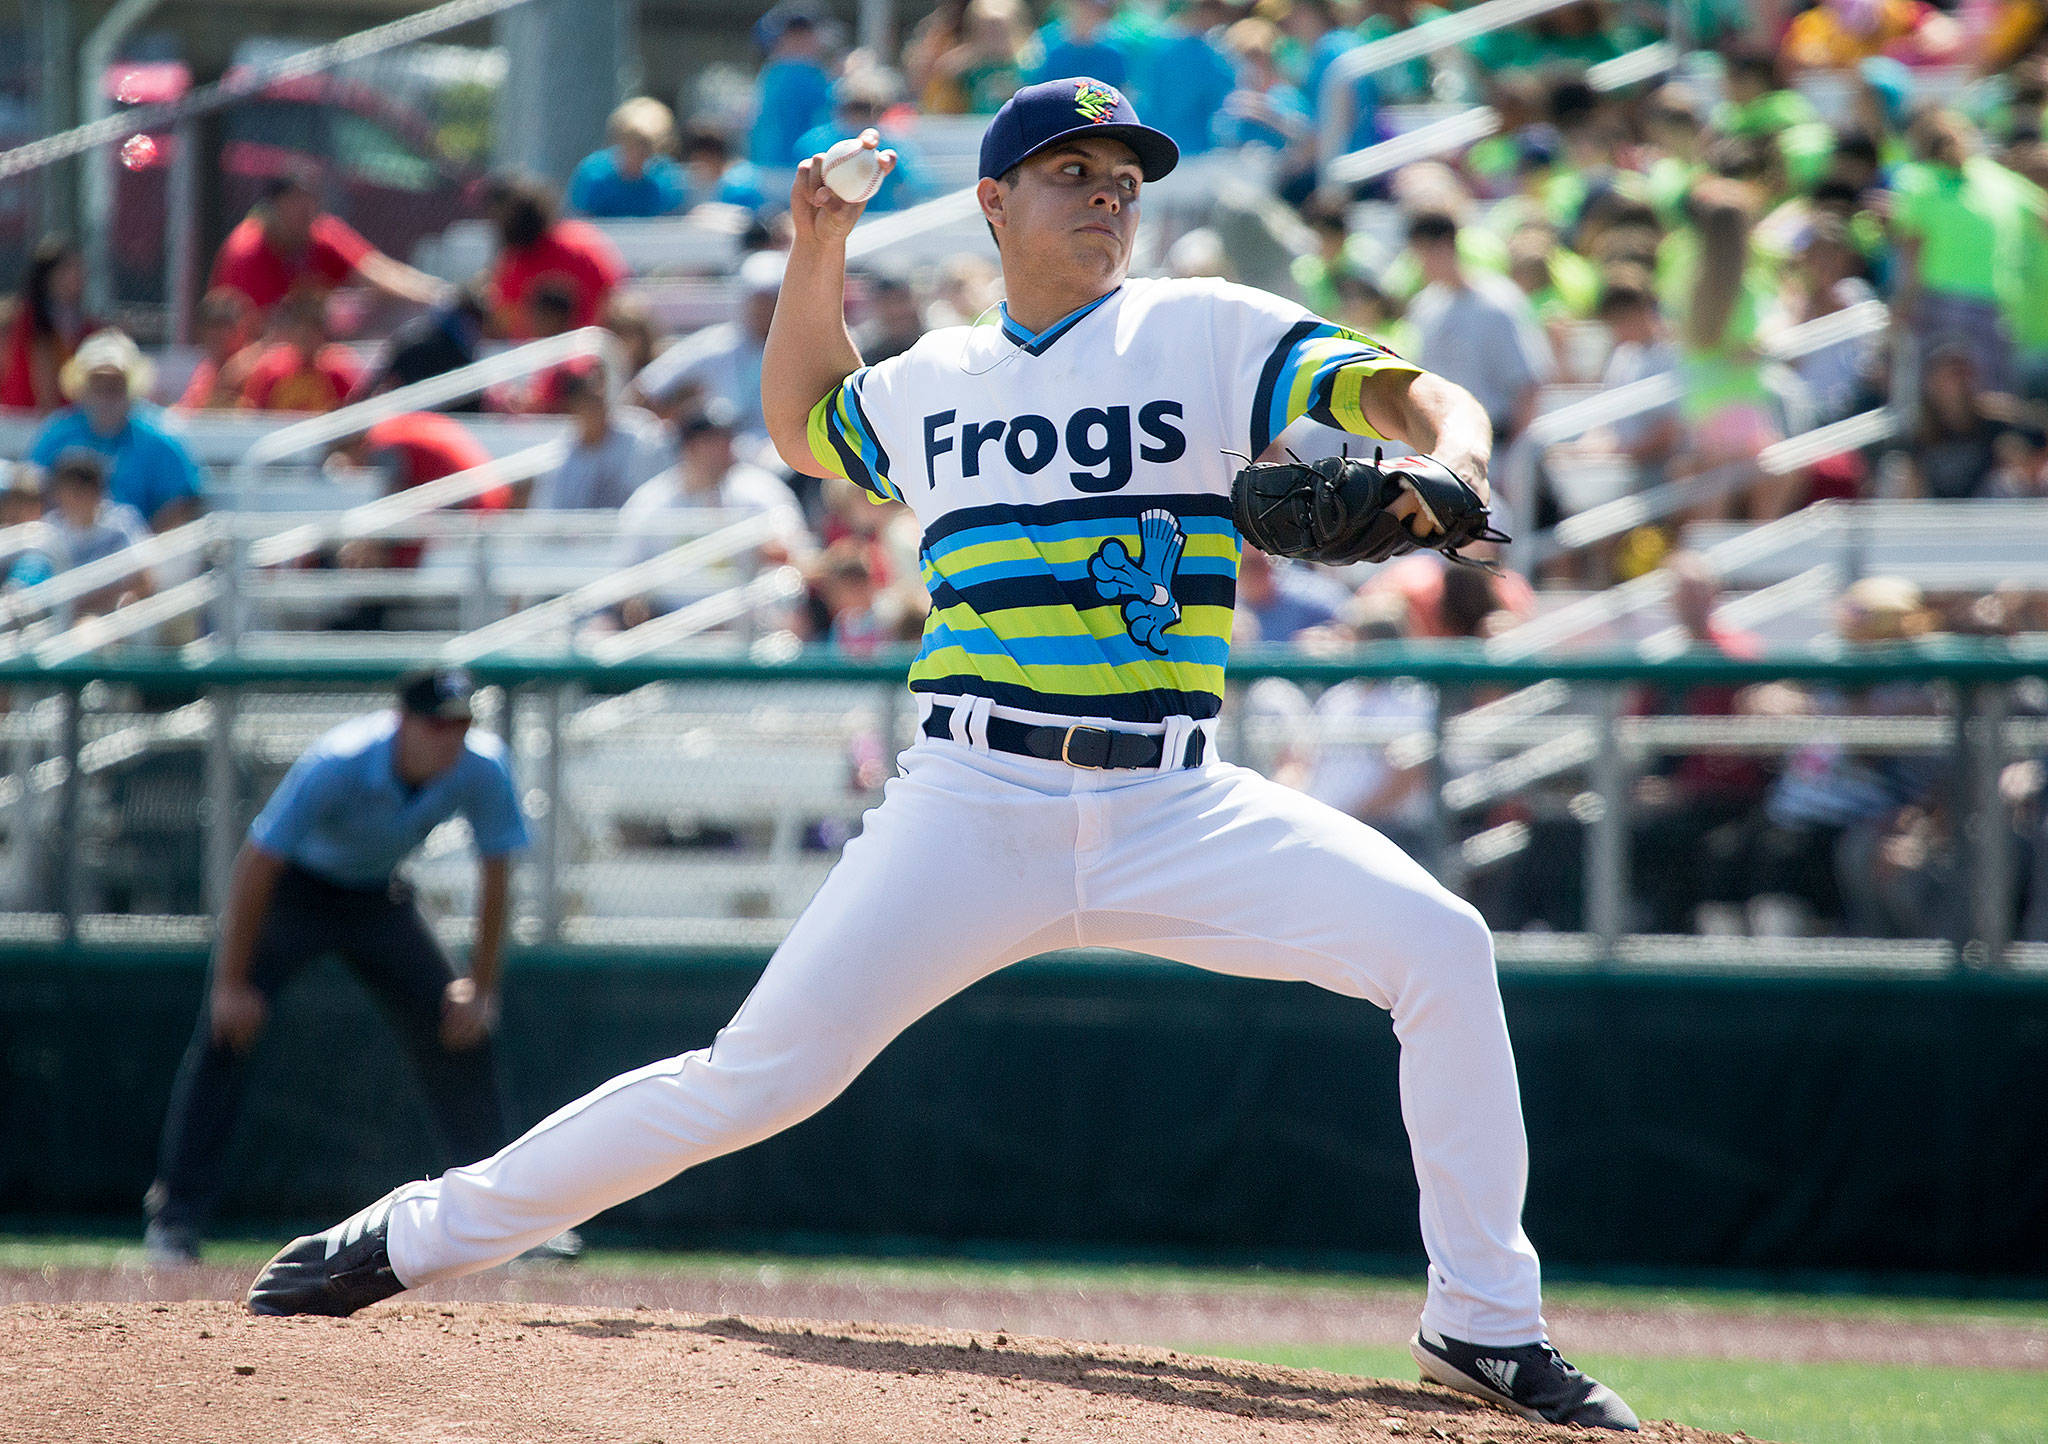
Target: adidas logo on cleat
column 1498, row 1372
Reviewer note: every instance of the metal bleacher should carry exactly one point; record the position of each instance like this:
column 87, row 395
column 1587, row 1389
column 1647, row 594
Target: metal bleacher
column 1943, row 546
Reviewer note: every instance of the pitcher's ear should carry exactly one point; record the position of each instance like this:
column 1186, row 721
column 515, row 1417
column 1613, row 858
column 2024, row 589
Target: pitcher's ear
column 990, row 194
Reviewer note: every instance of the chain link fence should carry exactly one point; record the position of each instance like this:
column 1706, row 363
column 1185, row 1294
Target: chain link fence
column 1847, row 811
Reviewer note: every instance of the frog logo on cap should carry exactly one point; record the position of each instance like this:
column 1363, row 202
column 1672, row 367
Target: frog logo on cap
column 1095, row 101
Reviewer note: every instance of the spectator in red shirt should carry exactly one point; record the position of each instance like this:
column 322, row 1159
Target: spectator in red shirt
column 287, row 244
column 535, row 248
column 226, row 325
column 301, row 370
column 423, row 446
column 412, row 450
column 550, row 310
column 48, row 324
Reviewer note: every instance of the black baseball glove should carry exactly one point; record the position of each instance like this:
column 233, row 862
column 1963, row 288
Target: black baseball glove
column 1336, row 510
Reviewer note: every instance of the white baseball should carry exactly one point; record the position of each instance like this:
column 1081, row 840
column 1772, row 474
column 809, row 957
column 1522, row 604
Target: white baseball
column 852, row 171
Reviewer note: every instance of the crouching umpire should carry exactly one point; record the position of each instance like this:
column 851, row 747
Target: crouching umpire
column 317, row 875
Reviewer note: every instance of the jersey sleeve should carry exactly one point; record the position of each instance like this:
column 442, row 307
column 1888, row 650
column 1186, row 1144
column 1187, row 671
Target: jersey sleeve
column 844, row 440
column 1284, row 363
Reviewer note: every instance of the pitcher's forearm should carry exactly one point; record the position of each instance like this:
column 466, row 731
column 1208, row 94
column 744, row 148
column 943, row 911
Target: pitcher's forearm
column 1434, row 415
column 809, row 349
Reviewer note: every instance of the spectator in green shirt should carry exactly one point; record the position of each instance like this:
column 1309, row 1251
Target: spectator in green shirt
column 1961, row 223
column 2030, row 321
column 988, row 65
column 1494, row 163
column 1562, row 285
column 1718, row 295
column 1316, row 273
column 1618, row 227
column 1759, row 102
column 1678, row 139
column 1366, row 309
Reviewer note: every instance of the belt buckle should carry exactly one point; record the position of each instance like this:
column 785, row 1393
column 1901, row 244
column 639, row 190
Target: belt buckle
column 1067, row 746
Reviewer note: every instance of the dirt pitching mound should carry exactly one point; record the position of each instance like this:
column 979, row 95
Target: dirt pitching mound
column 466, row 1373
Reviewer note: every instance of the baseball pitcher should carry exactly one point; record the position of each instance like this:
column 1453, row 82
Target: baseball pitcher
column 1072, row 467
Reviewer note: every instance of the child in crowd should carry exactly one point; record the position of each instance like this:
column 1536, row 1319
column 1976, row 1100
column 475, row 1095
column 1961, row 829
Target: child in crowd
column 302, row 370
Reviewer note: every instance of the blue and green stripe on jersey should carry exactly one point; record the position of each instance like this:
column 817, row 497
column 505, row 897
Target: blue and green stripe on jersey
column 1016, row 617
column 1317, row 371
column 842, row 437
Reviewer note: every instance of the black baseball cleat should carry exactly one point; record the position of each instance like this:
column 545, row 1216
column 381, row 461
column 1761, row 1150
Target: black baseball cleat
column 334, row 1273
column 1527, row 1379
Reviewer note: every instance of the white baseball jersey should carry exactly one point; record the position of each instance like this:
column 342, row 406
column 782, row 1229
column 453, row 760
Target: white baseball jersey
column 1074, row 485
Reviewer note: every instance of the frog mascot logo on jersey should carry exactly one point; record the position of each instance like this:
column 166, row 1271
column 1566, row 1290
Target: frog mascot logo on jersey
column 1144, row 586
column 1095, row 101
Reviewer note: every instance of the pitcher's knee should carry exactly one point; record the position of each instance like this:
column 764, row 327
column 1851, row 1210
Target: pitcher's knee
column 763, row 1098
column 1466, row 937
column 1451, row 954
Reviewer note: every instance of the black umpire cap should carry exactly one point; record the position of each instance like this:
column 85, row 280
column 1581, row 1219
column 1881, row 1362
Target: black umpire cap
column 443, row 692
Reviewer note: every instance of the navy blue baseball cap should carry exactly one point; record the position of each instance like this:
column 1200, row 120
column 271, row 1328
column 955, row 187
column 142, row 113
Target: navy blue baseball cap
column 1053, row 110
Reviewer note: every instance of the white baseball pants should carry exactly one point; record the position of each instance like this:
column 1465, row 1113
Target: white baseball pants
column 977, row 859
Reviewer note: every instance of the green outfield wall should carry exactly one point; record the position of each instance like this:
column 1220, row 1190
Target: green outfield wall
column 1108, row 1102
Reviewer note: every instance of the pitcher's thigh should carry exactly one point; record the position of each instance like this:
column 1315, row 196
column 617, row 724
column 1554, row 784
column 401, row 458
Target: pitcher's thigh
column 1239, row 874
column 932, row 896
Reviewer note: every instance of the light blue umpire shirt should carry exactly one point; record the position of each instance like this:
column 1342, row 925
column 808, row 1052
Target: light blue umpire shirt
column 342, row 814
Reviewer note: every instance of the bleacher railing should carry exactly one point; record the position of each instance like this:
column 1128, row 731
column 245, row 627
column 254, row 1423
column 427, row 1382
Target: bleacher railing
column 1468, row 127
column 625, row 736
column 1334, row 102
column 592, row 343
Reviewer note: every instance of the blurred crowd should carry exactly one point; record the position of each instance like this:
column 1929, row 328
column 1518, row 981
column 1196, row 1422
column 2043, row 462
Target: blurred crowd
column 1800, row 163
column 1834, row 834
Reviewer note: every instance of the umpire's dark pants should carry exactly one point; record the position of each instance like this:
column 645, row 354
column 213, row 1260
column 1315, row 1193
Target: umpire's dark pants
column 385, row 941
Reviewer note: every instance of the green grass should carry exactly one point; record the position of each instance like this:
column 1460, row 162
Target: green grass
column 1792, row 1403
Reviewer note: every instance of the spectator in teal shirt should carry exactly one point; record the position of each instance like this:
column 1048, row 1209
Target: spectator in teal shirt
column 1078, row 43
column 21, row 503
column 1187, row 77
column 864, row 98
column 1264, row 109
column 149, row 469
column 794, row 94
column 634, row 175
column 1313, row 25
column 714, row 176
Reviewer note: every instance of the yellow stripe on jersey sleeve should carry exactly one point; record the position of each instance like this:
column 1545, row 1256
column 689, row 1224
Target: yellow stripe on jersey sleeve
column 1318, row 370
column 845, row 444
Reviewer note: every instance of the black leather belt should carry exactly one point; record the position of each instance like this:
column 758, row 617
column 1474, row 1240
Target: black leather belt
column 1080, row 745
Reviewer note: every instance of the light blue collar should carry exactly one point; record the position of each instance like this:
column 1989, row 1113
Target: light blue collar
column 1037, row 344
